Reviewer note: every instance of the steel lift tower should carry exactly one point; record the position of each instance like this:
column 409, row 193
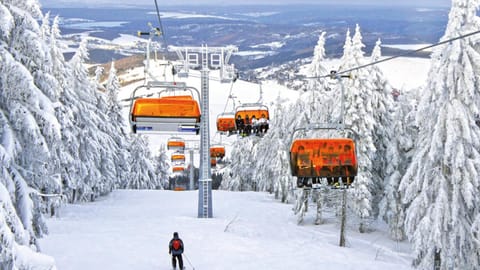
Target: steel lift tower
column 219, row 57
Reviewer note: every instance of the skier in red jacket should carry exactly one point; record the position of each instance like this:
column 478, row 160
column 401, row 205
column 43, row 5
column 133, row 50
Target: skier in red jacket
column 176, row 249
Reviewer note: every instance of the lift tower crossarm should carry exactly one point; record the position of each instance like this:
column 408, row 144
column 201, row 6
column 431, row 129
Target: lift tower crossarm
column 189, row 57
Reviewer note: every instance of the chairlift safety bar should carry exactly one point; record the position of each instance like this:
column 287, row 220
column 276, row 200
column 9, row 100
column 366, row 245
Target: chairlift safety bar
column 324, row 126
column 151, row 84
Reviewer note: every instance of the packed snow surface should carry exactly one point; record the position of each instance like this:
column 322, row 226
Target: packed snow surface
column 131, row 229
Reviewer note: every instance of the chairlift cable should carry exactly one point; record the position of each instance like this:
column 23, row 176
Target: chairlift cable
column 396, row 56
column 161, row 25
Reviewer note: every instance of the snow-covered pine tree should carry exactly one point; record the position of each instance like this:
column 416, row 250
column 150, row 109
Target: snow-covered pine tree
column 99, row 72
column 381, row 100
column 52, row 88
column 59, row 66
column 399, row 153
column 359, row 117
column 318, row 85
column 264, row 171
column 272, row 168
column 14, row 236
column 142, row 175
column 28, row 126
column 441, row 184
column 392, row 118
column 316, row 68
column 163, row 166
column 319, row 97
column 45, row 29
column 94, row 143
column 120, row 136
column 27, row 102
column 110, row 149
column 67, row 113
column 239, row 174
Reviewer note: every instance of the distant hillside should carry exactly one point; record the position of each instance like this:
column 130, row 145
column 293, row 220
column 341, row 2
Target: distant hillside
column 122, row 66
column 265, row 35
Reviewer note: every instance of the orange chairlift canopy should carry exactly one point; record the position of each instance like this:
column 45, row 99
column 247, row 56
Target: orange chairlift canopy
column 176, row 144
column 217, row 151
column 178, row 158
column 168, row 113
column 226, row 122
column 324, row 158
column 178, row 169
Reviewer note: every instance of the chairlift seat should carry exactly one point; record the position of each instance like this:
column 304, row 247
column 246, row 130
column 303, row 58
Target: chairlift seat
column 176, row 144
column 252, row 111
column 178, row 169
column 226, row 122
column 217, row 151
column 320, row 157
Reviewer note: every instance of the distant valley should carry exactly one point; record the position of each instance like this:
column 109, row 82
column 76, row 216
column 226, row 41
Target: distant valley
column 265, row 35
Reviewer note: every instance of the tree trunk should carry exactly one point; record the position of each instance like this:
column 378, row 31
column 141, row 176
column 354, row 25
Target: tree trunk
column 344, row 218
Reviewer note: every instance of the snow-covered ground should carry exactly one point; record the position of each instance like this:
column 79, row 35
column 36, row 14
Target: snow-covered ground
column 406, row 73
column 130, row 229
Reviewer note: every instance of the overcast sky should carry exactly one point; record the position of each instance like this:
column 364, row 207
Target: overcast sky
column 419, row 3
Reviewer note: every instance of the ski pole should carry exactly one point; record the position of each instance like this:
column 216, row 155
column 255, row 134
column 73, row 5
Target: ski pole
column 189, row 261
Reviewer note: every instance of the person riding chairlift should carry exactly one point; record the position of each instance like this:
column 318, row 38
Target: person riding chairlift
column 240, row 124
column 248, row 126
column 263, row 124
column 255, row 126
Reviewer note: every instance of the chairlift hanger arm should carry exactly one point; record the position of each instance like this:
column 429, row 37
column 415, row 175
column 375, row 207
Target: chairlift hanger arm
column 140, row 96
column 230, row 93
column 160, row 23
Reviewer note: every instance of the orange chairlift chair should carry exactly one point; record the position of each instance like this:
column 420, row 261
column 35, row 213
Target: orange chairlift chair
column 178, row 169
column 217, row 151
column 246, row 112
column 213, row 162
column 312, row 159
column 178, row 159
column 176, row 144
column 165, row 113
column 226, row 122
